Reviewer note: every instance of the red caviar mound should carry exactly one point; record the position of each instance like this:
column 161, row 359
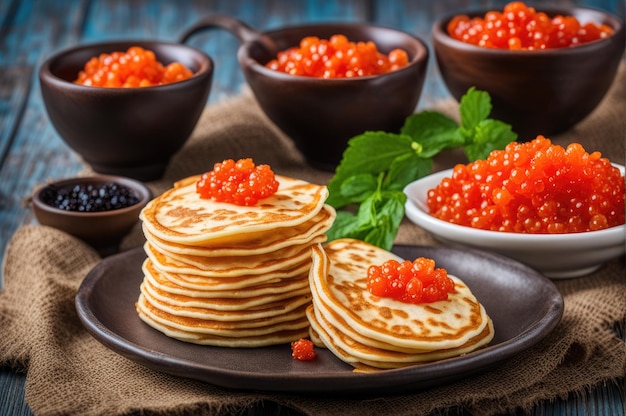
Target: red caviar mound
column 337, row 57
column 520, row 27
column 535, row 188
column 416, row 281
column 239, row 183
column 303, row 350
column 137, row 67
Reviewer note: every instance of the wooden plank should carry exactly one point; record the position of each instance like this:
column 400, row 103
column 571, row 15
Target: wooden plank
column 14, row 91
column 11, row 389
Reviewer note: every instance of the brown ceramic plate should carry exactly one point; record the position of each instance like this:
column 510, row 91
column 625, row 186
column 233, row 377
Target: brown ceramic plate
column 524, row 306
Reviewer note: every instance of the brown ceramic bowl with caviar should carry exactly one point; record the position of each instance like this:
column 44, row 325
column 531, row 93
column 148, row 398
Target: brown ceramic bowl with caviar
column 99, row 209
column 321, row 115
column 536, row 91
column 125, row 131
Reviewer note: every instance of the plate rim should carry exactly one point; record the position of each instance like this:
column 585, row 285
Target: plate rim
column 339, row 382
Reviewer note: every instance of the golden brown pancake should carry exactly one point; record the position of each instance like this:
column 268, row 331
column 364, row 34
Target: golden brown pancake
column 237, row 299
column 370, row 331
column 228, row 267
column 225, row 275
column 185, row 283
column 278, row 337
column 179, row 215
column 221, row 335
column 267, row 242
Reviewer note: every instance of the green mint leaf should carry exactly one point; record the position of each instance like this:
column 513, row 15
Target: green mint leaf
column 346, row 225
column 489, row 135
column 393, row 206
column 382, row 235
column 475, row 107
column 406, row 169
column 370, row 152
column 358, row 187
column 389, row 215
column 432, row 130
column 366, row 213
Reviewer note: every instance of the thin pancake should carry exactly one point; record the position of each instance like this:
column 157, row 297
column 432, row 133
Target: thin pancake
column 253, row 296
column 278, row 309
column 338, row 278
column 257, row 262
column 185, row 284
column 256, row 266
column 179, row 215
column 295, row 319
column 352, row 351
column 258, row 243
column 278, row 337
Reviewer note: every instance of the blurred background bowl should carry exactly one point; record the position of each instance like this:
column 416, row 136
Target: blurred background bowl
column 130, row 132
column 321, row 115
column 537, row 92
column 557, row 256
column 103, row 230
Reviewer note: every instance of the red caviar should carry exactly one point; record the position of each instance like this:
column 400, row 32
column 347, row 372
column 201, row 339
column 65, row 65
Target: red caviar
column 137, row 67
column 240, row 183
column 416, row 281
column 520, row 27
column 535, row 188
column 337, row 57
column 303, row 350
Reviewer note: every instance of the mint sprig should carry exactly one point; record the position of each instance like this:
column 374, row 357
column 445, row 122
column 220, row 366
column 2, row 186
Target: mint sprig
column 376, row 166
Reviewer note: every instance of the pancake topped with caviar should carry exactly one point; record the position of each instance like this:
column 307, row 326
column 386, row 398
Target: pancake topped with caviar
column 375, row 310
column 229, row 254
column 180, row 215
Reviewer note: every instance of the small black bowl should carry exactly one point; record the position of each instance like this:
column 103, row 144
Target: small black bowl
column 103, row 230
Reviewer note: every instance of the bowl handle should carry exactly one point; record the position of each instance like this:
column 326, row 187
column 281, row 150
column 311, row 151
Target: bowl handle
column 242, row 31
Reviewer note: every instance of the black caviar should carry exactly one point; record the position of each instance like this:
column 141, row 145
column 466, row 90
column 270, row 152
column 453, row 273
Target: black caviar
column 89, row 198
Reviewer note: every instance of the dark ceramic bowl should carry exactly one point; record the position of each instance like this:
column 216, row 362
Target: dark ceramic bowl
column 537, row 92
column 321, row 115
column 103, row 229
column 125, row 131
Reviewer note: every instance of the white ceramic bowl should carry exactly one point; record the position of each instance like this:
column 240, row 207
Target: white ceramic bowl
column 557, row 256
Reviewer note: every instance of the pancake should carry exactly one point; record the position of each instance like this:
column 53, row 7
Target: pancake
column 365, row 357
column 212, row 309
column 186, row 283
column 249, row 327
column 267, row 242
column 368, row 331
column 218, row 333
column 227, row 275
column 242, row 341
column 179, row 215
column 228, row 267
column 226, row 299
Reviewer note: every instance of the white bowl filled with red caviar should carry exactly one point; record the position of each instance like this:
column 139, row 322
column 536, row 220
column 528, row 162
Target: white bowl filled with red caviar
column 557, row 209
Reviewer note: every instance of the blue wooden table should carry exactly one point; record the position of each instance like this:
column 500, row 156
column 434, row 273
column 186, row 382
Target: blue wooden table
column 31, row 151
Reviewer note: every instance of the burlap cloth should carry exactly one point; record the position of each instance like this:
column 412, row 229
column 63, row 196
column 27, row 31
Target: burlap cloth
column 69, row 372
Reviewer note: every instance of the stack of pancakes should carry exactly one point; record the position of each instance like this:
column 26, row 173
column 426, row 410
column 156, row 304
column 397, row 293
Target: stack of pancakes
column 371, row 332
column 227, row 275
